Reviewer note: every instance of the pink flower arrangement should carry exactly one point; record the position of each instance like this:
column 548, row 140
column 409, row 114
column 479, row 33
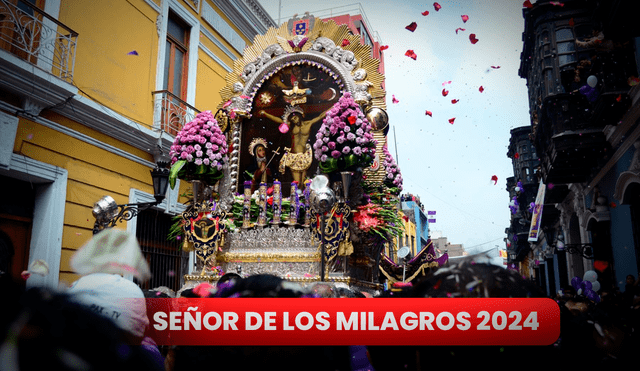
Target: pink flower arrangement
column 199, row 151
column 393, row 178
column 344, row 140
column 365, row 217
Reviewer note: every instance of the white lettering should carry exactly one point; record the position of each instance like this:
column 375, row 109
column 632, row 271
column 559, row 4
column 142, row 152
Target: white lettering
column 230, row 319
column 174, row 321
column 269, row 321
column 285, row 319
column 309, row 318
column 342, row 321
column 463, row 317
column 410, row 324
column 425, row 319
column 450, row 320
column 159, row 317
column 217, row 323
column 256, row 316
column 322, row 318
column 389, row 321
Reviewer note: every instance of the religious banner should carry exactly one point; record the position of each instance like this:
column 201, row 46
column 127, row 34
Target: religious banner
column 536, row 216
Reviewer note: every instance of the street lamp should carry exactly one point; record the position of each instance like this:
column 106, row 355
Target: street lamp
column 107, row 212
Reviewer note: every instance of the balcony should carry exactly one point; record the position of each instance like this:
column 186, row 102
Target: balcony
column 32, row 35
column 171, row 113
column 569, row 142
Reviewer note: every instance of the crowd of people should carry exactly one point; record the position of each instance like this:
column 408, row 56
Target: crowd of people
column 87, row 326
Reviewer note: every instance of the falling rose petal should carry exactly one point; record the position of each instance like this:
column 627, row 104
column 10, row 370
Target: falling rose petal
column 572, row 22
column 451, row 120
column 446, row 82
column 425, row 13
column 527, row 4
column 352, row 120
column 133, row 52
column 25, row 275
column 345, row 42
column 394, row 100
column 465, row 18
column 619, row 98
column 437, row 6
column 412, row 26
column 550, row 185
column 428, row 113
column 283, row 128
column 556, row 3
column 481, row 89
column 495, row 67
column 613, row 205
column 516, row 156
column 494, row 179
column 600, row 265
column 445, row 92
column 411, row 54
column 459, row 29
column 473, row 38
column 454, row 101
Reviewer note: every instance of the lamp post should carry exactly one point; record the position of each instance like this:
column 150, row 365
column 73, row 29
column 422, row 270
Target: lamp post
column 107, row 212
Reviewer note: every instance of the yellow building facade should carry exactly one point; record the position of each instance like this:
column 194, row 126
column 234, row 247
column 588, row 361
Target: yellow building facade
column 91, row 96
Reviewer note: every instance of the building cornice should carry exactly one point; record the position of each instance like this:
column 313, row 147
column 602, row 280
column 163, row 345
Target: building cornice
column 249, row 16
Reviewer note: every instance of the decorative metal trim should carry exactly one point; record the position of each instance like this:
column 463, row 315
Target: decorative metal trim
column 268, row 257
column 584, row 250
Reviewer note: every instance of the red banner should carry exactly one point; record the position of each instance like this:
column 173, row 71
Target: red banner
column 347, row 321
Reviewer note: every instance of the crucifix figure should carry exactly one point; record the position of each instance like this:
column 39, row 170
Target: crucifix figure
column 298, row 158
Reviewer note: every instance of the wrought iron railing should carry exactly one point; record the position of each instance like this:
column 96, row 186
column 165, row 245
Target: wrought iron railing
column 36, row 37
column 170, row 113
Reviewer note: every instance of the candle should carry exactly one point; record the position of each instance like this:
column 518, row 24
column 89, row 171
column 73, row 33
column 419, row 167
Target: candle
column 277, row 201
column 246, row 206
column 307, row 202
column 262, row 204
column 293, row 198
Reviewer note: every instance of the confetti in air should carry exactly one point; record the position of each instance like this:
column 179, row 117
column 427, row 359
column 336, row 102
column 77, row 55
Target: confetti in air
column 411, row 54
column 451, row 120
column 465, row 18
column 133, row 52
column 437, row 6
column 394, row 100
column 473, row 38
column 494, row 179
column 412, row 26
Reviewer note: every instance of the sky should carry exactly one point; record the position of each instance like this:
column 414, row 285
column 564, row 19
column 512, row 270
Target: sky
column 449, row 166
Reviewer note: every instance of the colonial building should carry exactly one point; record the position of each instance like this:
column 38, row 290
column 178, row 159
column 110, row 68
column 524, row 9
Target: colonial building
column 580, row 62
column 91, row 97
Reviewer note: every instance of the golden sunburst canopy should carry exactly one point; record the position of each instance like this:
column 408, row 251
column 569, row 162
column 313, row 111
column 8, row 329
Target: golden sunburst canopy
column 325, row 45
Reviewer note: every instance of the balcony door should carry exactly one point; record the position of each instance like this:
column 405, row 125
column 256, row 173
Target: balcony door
column 175, row 72
column 21, row 28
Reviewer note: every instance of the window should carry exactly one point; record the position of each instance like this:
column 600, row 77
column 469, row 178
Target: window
column 176, row 62
column 566, row 46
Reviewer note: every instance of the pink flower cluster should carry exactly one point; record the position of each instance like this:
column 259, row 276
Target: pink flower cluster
column 200, row 141
column 393, row 176
column 344, row 131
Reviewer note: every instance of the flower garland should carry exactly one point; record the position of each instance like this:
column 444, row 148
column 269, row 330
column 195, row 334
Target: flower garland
column 344, row 139
column 199, row 151
column 393, row 178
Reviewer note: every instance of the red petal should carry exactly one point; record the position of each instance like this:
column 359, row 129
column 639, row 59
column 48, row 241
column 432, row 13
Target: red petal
column 345, row 42
column 394, row 100
column 412, row 26
column 473, row 39
column 494, row 178
column 411, row 54
column 426, row 12
column 600, row 265
column 495, row 67
column 516, row 156
column 527, row 4
column 384, row 47
column 557, row 3
column 445, row 92
column 572, row 22
column 619, row 98
column 459, row 29
column 465, row 18
column 428, row 113
column 454, row 101
column 437, row 6
column 481, row 89
column 352, row 119
column 451, row 120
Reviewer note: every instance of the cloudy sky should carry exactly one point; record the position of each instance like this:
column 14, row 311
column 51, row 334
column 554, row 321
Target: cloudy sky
column 449, row 166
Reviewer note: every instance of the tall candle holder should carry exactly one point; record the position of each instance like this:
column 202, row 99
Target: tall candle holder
column 246, row 206
column 262, row 205
column 294, row 200
column 277, row 202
